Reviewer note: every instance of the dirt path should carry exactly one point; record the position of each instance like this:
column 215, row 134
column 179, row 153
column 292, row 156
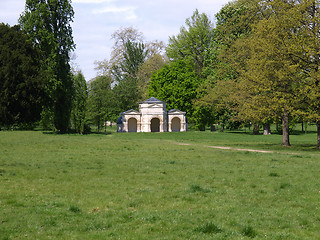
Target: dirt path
column 241, row 149
column 238, row 149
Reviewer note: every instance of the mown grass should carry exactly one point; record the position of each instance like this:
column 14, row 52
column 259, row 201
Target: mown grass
column 145, row 186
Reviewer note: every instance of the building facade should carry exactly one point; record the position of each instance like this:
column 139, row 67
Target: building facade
column 152, row 117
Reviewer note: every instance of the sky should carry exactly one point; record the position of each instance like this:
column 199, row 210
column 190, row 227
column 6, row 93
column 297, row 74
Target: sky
column 96, row 20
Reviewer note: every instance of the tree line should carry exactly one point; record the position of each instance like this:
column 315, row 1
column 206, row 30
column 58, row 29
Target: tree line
column 258, row 64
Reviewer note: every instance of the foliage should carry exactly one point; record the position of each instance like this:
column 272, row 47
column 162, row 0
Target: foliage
column 79, row 105
column 47, row 23
column 149, row 67
column 127, row 94
column 100, row 97
column 175, row 84
column 192, row 42
column 21, row 79
column 271, row 80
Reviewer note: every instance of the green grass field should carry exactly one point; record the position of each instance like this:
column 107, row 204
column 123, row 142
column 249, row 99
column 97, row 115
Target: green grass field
column 150, row 186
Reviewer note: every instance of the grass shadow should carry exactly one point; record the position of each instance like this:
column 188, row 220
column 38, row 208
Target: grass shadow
column 77, row 134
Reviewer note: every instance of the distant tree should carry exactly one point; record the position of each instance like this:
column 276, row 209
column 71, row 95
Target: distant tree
column 79, row 105
column 222, row 62
column 99, row 100
column 193, row 41
column 271, row 81
column 126, row 94
column 121, row 37
column 307, row 54
column 48, row 25
column 21, row 79
column 176, row 84
column 133, row 57
column 149, row 67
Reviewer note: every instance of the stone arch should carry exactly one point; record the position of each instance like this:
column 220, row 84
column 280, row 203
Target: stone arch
column 155, row 125
column 176, row 124
column 132, row 124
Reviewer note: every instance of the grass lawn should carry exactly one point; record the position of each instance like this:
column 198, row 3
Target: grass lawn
column 147, row 186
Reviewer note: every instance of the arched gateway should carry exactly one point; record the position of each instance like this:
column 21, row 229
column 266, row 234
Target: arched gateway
column 175, row 124
column 155, row 125
column 132, row 125
column 152, row 117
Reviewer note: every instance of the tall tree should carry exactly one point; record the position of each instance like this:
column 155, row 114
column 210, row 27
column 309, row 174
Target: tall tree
column 223, row 63
column 48, row 24
column 133, row 57
column 309, row 59
column 177, row 84
column 146, row 70
column 21, row 79
column 271, row 80
column 79, row 102
column 192, row 42
column 100, row 98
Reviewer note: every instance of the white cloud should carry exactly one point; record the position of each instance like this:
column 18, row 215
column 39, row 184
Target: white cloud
column 113, row 10
column 129, row 12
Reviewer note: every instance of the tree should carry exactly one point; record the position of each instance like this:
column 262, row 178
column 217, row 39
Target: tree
column 309, row 60
column 99, row 100
column 79, row 102
column 133, row 57
column 21, row 78
column 192, row 42
column 270, row 82
column 176, row 84
column 149, row 67
column 121, row 37
column 47, row 23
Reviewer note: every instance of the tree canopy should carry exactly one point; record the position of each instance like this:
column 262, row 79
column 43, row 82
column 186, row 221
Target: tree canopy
column 48, row 25
column 21, row 78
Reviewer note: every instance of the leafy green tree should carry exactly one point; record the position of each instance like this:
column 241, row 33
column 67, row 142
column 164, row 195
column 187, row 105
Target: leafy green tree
column 193, row 41
column 133, row 57
column 126, row 94
column 177, row 84
column 149, row 67
column 80, row 97
column 48, row 25
column 121, row 37
column 21, row 79
column 309, row 60
column 270, row 83
column 223, row 62
column 99, row 100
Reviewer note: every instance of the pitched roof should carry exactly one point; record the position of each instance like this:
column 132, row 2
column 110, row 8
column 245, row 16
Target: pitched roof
column 131, row 111
column 152, row 100
column 177, row 111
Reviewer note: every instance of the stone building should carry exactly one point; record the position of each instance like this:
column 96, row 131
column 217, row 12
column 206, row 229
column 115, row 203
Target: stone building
column 152, row 117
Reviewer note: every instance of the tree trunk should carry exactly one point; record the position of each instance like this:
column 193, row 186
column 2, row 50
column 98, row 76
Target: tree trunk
column 285, row 129
column 318, row 134
column 266, row 129
column 256, row 129
column 302, row 129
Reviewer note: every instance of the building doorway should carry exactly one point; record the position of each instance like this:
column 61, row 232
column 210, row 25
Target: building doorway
column 155, row 125
column 132, row 125
column 175, row 124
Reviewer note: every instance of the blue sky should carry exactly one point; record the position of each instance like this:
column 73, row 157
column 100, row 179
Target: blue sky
column 96, row 20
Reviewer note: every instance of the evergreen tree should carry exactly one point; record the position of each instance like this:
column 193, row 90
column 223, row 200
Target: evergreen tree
column 21, row 79
column 48, row 25
column 79, row 105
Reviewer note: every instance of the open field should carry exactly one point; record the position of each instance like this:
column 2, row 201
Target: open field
column 155, row 186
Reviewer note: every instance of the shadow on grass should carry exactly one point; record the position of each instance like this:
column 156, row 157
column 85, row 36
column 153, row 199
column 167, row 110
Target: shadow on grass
column 74, row 133
column 273, row 133
column 294, row 147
